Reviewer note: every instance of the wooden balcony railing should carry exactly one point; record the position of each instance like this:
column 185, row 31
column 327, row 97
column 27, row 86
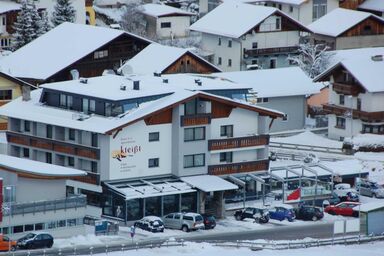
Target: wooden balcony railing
column 90, row 178
column 53, row 145
column 263, row 51
column 347, row 89
column 233, row 168
column 357, row 114
column 198, row 119
column 240, row 142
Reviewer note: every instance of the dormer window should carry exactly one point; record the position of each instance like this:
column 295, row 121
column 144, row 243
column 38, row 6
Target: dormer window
column 66, row 101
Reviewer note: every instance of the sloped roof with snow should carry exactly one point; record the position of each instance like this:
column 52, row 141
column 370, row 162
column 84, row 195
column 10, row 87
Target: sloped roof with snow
column 277, row 82
column 370, row 206
column 338, row 21
column 160, row 10
column 143, row 62
column 291, row 2
column 233, row 20
column 373, row 5
column 7, row 6
column 57, row 49
column 360, row 64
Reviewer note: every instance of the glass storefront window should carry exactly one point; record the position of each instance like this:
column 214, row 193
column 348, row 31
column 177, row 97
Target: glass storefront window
column 189, row 202
column 171, row 204
column 153, row 206
column 134, row 209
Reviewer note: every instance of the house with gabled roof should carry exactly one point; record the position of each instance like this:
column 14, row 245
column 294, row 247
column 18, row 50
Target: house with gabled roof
column 87, row 49
column 8, row 15
column 356, row 93
column 162, row 59
column 238, row 35
column 166, row 22
column 374, row 6
column 137, row 139
column 346, row 29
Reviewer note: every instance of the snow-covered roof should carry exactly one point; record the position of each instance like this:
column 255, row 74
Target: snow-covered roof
column 27, row 166
column 57, row 49
column 235, row 19
column 360, row 64
column 308, row 138
column 6, row 6
column 209, row 183
column 366, row 140
column 371, row 206
column 143, row 62
column 291, row 2
column 100, row 124
column 338, row 21
column 373, row 5
column 277, row 82
column 160, row 10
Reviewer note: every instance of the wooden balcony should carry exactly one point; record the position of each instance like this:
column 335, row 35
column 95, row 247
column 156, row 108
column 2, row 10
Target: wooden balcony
column 233, row 168
column 53, row 145
column 199, row 119
column 240, row 142
column 347, row 89
column 265, row 51
column 90, row 178
column 357, row 114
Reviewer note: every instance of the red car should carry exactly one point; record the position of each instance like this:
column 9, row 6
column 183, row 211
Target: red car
column 343, row 208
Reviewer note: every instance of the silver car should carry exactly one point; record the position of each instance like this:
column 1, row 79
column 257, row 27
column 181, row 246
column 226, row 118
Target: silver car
column 369, row 188
column 185, row 221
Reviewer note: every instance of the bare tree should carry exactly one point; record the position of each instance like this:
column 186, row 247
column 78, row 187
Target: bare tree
column 312, row 59
column 133, row 20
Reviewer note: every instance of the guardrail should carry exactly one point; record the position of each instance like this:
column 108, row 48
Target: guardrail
column 298, row 157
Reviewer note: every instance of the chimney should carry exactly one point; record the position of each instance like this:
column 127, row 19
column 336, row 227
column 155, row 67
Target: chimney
column 26, row 92
column 165, row 81
column 136, row 85
column 123, row 87
column 75, row 74
column 198, row 82
column 377, row 58
column 83, row 80
column 158, row 74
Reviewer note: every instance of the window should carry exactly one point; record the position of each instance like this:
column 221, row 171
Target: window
column 153, row 162
column 165, row 24
column 5, row 94
column 192, row 134
column 27, row 126
column 92, row 106
column 194, row 160
column 89, row 106
column 254, row 45
column 4, row 21
column 340, row 122
column 154, row 136
column 280, row 7
column 226, row 157
column 219, row 43
column 229, row 43
column 48, row 157
column 71, row 222
column 193, row 107
column 108, row 109
column 71, row 134
column 226, row 130
column 229, row 63
column 358, row 104
column 319, row 9
column 39, row 226
column 278, row 23
column 63, row 100
column 290, row 8
column 367, row 30
column 341, row 99
column 94, row 139
column 26, row 152
column 71, row 161
column 49, row 131
column 93, row 166
column 285, row 118
column 272, row 63
column 100, row 54
column 219, row 61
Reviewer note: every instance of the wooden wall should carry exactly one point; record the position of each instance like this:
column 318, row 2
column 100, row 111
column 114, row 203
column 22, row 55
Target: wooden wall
column 377, row 28
column 189, row 63
column 350, row 4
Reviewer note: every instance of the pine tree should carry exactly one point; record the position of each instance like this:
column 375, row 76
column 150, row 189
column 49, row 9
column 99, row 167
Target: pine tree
column 45, row 25
column 24, row 29
column 63, row 12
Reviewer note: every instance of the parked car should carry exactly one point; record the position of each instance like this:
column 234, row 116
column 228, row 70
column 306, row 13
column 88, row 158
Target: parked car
column 33, row 241
column 209, row 221
column 343, row 208
column 370, row 188
column 185, row 221
column 346, row 193
column 150, row 223
column 7, row 244
column 282, row 213
column 260, row 215
column 306, row 212
column 332, row 200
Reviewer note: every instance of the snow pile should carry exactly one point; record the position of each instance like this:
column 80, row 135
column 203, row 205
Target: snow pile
column 114, row 14
column 371, row 141
column 309, row 138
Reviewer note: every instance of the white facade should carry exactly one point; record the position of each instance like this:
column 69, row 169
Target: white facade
column 172, row 27
column 78, row 5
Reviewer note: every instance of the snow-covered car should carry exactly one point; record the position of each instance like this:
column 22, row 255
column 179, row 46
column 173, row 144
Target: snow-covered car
column 150, row 223
column 370, row 188
column 345, row 192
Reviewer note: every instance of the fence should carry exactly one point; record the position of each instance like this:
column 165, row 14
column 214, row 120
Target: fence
column 306, row 147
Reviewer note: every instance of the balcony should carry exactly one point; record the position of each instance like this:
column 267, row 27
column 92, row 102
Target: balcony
column 53, row 145
column 240, row 142
column 357, row 114
column 265, row 51
column 76, row 201
column 90, row 178
column 198, row 119
column 347, row 89
column 234, row 168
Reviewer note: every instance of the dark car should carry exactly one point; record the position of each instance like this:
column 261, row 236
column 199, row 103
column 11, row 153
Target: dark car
column 282, row 213
column 209, row 221
column 260, row 215
column 306, row 212
column 33, row 241
column 150, row 223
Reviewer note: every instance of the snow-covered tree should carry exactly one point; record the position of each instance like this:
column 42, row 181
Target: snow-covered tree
column 312, row 59
column 25, row 30
column 133, row 20
column 63, row 12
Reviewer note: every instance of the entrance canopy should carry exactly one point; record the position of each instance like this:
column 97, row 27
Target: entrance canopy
column 209, row 183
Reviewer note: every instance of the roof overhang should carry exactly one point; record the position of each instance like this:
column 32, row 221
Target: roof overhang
column 209, row 183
